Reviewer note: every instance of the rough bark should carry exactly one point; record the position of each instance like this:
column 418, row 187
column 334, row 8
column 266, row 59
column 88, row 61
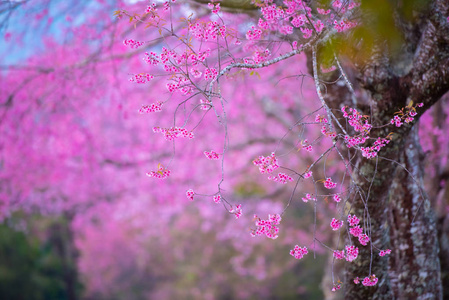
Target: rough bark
column 415, row 265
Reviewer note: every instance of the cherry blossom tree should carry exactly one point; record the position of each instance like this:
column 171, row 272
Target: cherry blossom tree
column 373, row 84
column 213, row 102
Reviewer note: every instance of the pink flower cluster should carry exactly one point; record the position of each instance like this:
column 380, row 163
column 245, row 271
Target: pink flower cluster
column 337, row 198
column 308, row 174
column 132, row 43
column 261, row 56
column 325, row 130
column 217, row 198
column 370, row 152
column 141, row 78
column 266, row 164
column 329, row 184
column 281, row 178
column 358, row 121
column 322, row 11
column 161, row 173
column 384, row 252
column 237, row 211
column 370, row 281
column 151, row 58
column 344, row 25
column 406, row 114
column 363, row 239
column 268, row 227
column 210, row 73
column 356, row 230
column 367, row 281
column 212, row 155
column 307, row 198
column 207, row 31
column 336, row 224
column 351, row 253
column 305, row 145
column 215, row 8
column 298, row 252
column 321, row 119
column 254, row 34
column 180, row 84
column 336, row 287
column 190, row 193
column 339, row 254
column 154, row 107
column 151, row 8
column 173, row 133
column 361, row 125
column 353, row 220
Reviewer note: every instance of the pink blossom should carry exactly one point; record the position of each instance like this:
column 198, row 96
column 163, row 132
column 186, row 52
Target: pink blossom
column 336, row 287
column 384, row 252
column 319, row 26
column 329, row 184
column 357, row 280
column 195, row 73
column 307, row 198
column 281, row 178
column 353, row 220
column 190, row 194
column 217, row 198
column 254, row 34
column 307, row 33
column 307, row 174
column 339, row 254
column 132, row 43
column 363, row 239
column 237, row 211
column 173, row 133
column 266, row 164
column 323, row 12
column 298, row 252
column 337, row 4
column 141, row 78
column 267, row 227
column 151, row 58
column 154, row 107
column 210, row 74
column 351, row 253
column 336, row 224
column 212, row 155
column 161, row 173
column 321, row 119
column 337, row 198
column 370, row 281
column 215, row 8
column 356, row 231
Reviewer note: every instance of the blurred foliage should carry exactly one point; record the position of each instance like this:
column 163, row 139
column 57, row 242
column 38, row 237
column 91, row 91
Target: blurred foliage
column 380, row 24
column 32, row 269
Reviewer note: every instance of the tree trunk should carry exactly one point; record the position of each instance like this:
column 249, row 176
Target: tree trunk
column 415, row 266
column 399, row 218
